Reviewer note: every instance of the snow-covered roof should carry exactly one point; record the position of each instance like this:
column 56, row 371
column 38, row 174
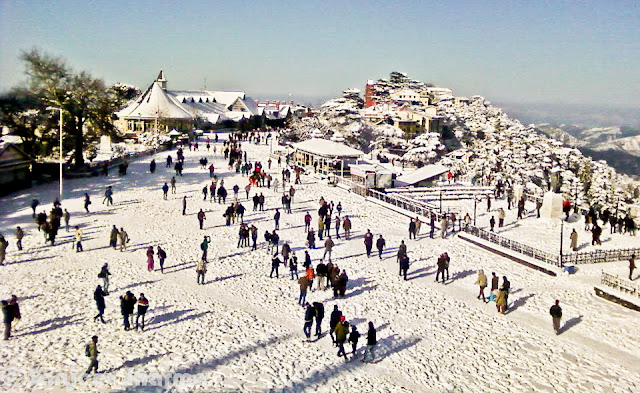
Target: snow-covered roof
column 212, row 105
column 155, row 103
column 362, row 169
column 327, row 148
column 420, row 174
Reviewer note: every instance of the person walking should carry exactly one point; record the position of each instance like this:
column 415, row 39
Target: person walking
column 276, row 218
column 162, row 255
column 165, row 191
column 492, row 223
column 98, row 296
column 481, row 281
column 91, row 350
column 632, row 266
column 123, row 237
column 129, row 306
column 67, row 218
column 104, row 275
column 319, row 307
column 443, row 266
column 108, row 196
column 34, row 205
column 556, row 316
column 328, row 247
column 304, row 285
column 184, row 205
column 150, row 261
column 380, row 243
column 309, row 314
column 404, row 266
column 78, row 239
column 341, row 331
column 8, row 316
column 113, row 237
column 337, row 224
column 368, row 242
column 201, row 270
column 3, row 248
column 275, row 263
column 371, row 343
column 412, row 229
column 201, row 218
column 354, row 336
column 501, row 300
column 574, row 240
column 87, row 202
column 334, row 319
column 293, row 266
column 19, row 236
column 173, row 184
column 143, row 306
column 346, row 225
column 501, row 216
column 204, row 246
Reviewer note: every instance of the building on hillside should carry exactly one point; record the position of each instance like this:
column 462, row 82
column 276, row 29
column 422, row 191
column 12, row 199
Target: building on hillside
column 325, row 156
column 372, row 175
column 162, row 109
column 425, row 176
column 15, row 168
column 406, row 95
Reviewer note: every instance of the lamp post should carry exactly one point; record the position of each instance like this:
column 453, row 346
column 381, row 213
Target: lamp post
column 561, row 236
column 60, row 190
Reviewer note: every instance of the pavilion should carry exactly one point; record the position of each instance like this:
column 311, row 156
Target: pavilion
column 325, row 155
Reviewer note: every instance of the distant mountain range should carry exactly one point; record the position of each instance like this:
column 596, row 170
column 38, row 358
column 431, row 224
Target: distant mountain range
column 618, row 146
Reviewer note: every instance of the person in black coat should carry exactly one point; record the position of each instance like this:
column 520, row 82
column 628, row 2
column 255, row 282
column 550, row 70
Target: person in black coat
column 371, row 343
column 333, row 321
column 319, row 307
column 275, row 262
column 404, row 266
column 354, row 336
column 308, row 320
column 123, row 311
column 98, row 296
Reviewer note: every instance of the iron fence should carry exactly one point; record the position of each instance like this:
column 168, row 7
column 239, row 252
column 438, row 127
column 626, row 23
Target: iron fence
column 621, row 284
column 600, row 256
column 524, row 249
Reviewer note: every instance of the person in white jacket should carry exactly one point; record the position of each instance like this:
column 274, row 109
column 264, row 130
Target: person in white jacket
column 482, row 282
column 78, row 237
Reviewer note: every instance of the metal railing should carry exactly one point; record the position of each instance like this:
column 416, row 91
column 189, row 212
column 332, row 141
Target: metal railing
column 402, row 202
column 621, row 284
column 533, row 252
column 600, row 256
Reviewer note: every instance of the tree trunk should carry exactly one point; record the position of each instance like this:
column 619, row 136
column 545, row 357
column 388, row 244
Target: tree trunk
column 78, row 157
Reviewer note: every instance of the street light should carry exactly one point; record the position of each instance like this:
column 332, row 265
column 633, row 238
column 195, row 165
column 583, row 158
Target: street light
column 60, row 109
column 561, row 236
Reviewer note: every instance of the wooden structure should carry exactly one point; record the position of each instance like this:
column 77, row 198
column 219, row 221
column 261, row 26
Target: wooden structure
column 15, row 168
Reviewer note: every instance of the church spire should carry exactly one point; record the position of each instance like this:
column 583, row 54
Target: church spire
column 161, row 80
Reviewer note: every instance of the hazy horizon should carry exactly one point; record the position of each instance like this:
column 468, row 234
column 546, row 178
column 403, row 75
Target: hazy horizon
column 551, row 52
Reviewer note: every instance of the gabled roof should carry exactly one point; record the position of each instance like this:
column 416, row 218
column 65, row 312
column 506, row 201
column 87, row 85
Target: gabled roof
column 327, row 148
column 425, row 173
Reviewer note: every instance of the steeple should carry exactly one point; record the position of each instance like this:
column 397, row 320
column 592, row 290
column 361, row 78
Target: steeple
column 161, row 80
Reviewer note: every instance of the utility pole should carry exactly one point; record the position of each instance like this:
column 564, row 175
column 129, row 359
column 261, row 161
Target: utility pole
column 561, row 236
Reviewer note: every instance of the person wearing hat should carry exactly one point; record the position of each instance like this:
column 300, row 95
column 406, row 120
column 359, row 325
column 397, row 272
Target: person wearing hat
column 342, row 330
column 309, row 314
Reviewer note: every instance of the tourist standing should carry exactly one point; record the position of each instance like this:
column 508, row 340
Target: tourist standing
column 371, row 343
column 481, row 281
column 556, row 315
column 632, row 266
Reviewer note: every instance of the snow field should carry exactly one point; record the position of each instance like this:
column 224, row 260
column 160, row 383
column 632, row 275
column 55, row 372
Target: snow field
column 243, row 331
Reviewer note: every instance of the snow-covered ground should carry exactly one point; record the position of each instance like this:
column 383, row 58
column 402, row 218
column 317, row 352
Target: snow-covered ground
column 243, row 331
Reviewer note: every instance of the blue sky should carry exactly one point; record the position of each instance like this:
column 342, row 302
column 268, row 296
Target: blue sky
column 565, row 52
